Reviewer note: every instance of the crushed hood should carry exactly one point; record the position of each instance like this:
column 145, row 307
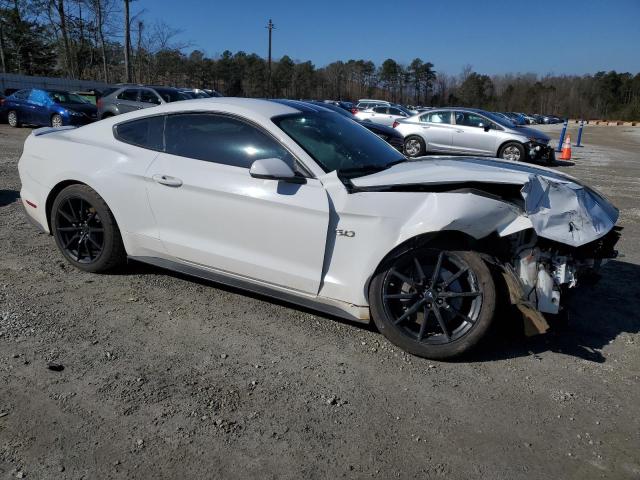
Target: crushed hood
column 443, row 170
column 559, row 206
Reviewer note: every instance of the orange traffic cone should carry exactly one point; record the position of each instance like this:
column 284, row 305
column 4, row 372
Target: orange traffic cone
column 566, row 149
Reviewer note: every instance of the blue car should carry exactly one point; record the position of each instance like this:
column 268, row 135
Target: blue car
column 48, row 108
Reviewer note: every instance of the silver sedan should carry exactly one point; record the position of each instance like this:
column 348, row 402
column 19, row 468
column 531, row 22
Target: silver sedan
column 468, row 131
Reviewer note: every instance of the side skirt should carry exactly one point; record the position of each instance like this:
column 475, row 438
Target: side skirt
column 329, row 306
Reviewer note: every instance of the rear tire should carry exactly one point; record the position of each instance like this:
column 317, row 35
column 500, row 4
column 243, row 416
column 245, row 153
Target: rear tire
column 434, row 303
column 13, row 120
column 513, row 151
column 56, row 120
column 85, row 230
column 414, row 146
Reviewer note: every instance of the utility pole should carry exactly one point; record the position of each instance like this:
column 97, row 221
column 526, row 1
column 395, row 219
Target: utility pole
column 270, row 26
column 127, row 43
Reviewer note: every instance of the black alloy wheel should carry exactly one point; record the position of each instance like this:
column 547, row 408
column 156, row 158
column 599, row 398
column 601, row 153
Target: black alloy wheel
column 85, row 230
column 80, row 230
column 434, row 303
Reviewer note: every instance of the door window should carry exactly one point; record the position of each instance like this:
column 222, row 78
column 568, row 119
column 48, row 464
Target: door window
column 397, row 112
column 221, row 139
column 436, row 117
column 381, row 110
column 147, row 96
column 145, row 132
column 129, row 94
column 470, row 119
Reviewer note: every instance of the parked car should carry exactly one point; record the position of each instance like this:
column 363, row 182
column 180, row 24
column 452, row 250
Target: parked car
column 128, row 98
column 305, row 205
column 529, row 119
column 48, row 108
column 470, row 131
column 388, row 134
column 212, row 93
column 349, row 106
column 3, row 112
column 383, row 114
column 367, row 103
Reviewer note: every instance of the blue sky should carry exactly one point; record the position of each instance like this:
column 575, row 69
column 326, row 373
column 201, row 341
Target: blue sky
column 543, row 36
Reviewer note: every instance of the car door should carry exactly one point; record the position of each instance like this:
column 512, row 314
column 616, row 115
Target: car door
column 474, row 134
column 437, row 130
column 212, row 213
column 380, row 115
column 128, row 100
column 20, row 101
column 39, row 102
column 395, row 114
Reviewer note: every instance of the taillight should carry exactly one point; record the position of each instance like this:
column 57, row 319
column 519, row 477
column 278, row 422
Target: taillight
column 99, row 103
column 354, row 110
column 396, row 123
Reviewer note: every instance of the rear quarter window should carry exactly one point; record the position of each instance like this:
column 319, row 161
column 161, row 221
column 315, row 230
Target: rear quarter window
column 147, row 132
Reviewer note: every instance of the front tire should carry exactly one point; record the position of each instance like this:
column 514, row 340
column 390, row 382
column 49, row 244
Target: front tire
column 12, row 119
column 414, row 147
column 85, row 230
column 434, row 303
column 513, row 151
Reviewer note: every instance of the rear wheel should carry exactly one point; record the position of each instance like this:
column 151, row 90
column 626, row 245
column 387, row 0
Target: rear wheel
column 56, row 120
column 12, row 119
column 434, row 303
column 414, row 147
column 513, row 151
column 85, row 230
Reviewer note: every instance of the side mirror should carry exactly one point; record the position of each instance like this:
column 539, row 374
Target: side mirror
column 274, row 169
column 488, row 127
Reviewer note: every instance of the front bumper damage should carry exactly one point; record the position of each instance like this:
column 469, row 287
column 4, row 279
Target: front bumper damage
column 575, row 234
column 540, row 152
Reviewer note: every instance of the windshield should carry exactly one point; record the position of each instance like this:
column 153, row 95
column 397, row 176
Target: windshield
column 66, row 97
column 337, row 143
column 499, row 119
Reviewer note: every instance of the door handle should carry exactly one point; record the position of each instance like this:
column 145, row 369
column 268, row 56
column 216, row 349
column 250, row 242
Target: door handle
column 459, row 131
column 167, row 180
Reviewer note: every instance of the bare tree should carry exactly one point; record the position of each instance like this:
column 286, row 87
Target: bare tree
column 68, row 54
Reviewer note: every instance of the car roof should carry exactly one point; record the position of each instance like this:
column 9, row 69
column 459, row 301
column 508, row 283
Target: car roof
column 249, row 107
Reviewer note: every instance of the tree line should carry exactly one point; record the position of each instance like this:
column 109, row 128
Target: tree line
column 102, row 40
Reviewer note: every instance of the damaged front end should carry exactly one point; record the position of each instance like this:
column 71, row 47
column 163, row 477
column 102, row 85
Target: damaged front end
column 540, row 272
column 546, row 231
column 540, row 152
column 573, row 233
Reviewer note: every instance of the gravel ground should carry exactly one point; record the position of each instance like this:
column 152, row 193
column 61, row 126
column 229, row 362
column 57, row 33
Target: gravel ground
column 167, row 377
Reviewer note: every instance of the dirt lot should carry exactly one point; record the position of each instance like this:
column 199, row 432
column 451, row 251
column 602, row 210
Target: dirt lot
column 167, row 377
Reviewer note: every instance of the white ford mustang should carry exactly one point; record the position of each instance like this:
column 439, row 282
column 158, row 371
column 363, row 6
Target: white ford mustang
column 299, row 203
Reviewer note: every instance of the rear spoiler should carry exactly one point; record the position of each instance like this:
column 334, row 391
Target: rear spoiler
column 43, row 131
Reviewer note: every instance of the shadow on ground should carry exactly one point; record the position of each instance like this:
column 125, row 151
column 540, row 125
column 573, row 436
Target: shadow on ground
column 7, row 197
column 596, row 315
